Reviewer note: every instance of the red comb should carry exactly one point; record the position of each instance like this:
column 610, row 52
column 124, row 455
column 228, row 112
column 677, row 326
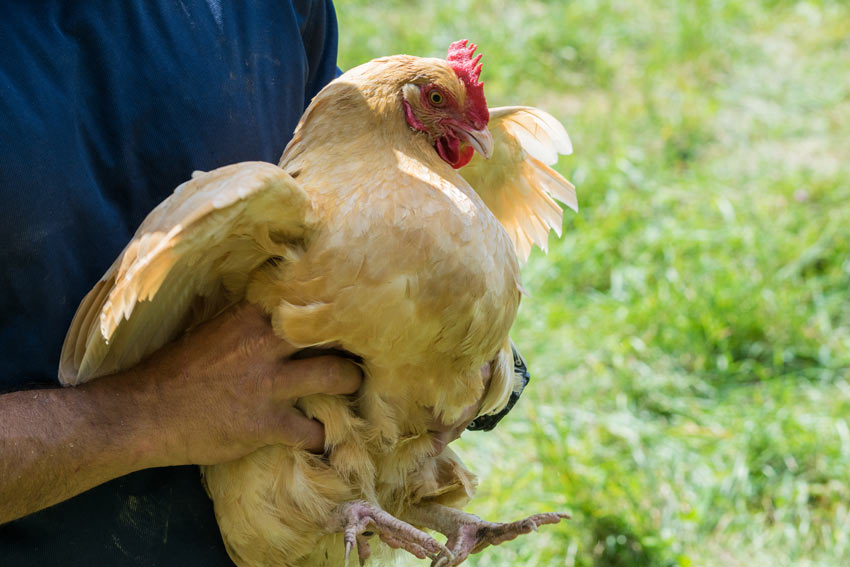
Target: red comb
column 468, row 70
column 465, row 66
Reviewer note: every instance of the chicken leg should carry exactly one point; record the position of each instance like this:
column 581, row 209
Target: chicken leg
column 468, row 533
column 353, row 518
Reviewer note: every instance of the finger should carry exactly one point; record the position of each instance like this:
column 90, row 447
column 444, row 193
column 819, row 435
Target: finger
column 281, row 349
column 487, row 372
column 319, row 375
column 258, row 323
column 249, row 313
column 297, row 430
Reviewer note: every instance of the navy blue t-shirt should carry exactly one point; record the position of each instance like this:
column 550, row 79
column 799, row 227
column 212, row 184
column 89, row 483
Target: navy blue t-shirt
column 105, row 107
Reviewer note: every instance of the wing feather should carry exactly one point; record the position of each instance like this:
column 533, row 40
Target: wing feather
column 517, row 183
column 191, row 257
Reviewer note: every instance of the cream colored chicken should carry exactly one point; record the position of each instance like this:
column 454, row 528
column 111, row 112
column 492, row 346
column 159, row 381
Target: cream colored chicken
column 379, row 234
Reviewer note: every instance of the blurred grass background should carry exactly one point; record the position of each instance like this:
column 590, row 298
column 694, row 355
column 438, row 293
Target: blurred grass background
column 689, row 336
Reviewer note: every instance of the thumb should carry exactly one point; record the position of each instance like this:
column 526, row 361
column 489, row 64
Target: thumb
column 295, row 429
column 319, row 375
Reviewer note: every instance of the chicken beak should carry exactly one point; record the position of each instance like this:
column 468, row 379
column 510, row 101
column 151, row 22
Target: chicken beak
column 480, row 140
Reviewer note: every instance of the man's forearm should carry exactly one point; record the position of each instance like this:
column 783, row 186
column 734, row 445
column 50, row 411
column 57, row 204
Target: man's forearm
column 218, row 393
column 57, row 443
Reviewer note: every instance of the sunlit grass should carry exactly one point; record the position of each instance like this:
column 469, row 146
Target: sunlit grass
column 689, row 337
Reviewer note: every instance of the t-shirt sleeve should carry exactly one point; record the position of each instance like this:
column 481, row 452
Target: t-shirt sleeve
column 319, row 34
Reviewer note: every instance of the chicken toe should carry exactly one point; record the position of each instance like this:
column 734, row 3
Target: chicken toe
column 353, row 518
column 468, row 533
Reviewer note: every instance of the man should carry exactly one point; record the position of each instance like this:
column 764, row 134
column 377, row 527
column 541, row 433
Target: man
column 106, row 107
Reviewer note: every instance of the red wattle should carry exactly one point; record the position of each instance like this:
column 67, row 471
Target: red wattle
column 448, row 147
column 465, row 155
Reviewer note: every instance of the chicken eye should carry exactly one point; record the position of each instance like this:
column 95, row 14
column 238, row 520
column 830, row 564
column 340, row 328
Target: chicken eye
column 436, row 98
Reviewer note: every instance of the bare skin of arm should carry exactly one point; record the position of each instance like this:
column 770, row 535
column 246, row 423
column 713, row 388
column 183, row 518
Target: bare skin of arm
column 220, row 392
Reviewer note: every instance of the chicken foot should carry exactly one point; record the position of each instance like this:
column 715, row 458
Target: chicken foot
column 468, row 533
column 353, row 519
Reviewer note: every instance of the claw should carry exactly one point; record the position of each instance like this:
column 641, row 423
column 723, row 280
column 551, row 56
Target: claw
column 353, row 518
column 442, row 559
column 469, row 534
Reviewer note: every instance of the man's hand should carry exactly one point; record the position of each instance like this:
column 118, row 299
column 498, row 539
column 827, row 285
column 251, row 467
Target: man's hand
column 220, row 392
column 442, row 434
column 226, row 388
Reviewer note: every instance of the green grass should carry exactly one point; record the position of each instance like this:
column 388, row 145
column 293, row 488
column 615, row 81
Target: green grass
column 689, row 336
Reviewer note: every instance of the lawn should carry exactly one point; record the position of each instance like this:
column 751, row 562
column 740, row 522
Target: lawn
column 689, row 336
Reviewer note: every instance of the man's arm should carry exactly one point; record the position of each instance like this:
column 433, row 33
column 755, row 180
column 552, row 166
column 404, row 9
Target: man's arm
column 220, row 392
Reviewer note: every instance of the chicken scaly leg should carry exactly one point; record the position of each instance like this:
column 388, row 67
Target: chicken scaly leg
column 468, row 533
column 353, row 518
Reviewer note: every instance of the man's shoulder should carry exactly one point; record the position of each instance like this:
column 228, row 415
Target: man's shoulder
column 107, row 108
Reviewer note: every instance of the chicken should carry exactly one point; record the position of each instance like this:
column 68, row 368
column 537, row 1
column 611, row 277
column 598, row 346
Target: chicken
column 382, row 234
